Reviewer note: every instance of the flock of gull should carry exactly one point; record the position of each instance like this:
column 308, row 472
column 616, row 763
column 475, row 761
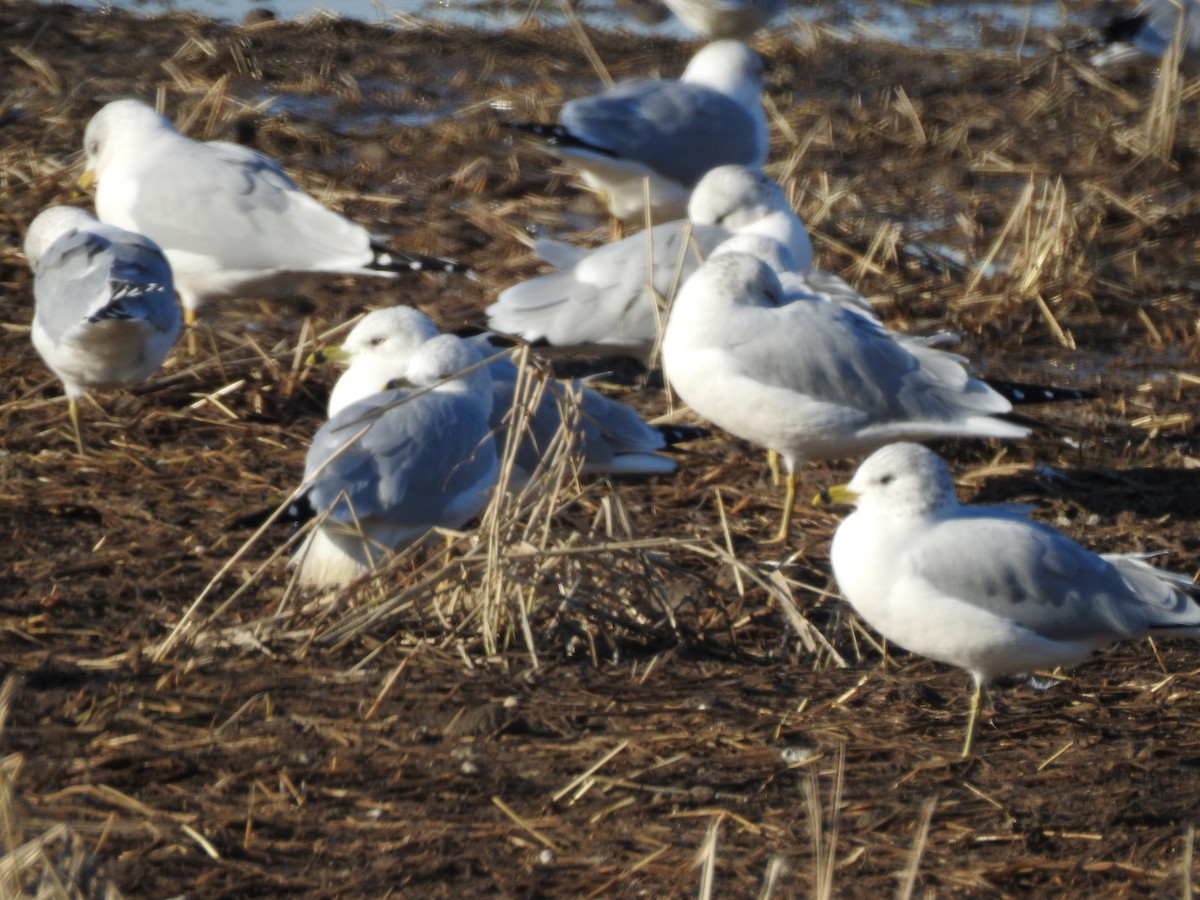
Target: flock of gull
column 752, row 338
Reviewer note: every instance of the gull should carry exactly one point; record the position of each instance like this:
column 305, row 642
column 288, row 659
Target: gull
column 229, row 219
column 812, row 379
column 716, row 19
column 105, row 314
column 1150, row 31
column 395, row 463
column 613, row 295
column 668, row 131
column 611, row 438
column 983, row 588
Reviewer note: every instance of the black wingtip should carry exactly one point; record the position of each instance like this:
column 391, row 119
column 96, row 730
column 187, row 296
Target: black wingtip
column 1124, row 29
column 1020, row 393
column 556, row 136
column 681, row 434
column 400, row 261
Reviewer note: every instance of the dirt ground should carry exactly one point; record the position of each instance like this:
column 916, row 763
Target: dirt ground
column 631, row 698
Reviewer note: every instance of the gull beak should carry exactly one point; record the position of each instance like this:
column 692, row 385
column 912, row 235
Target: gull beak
column 85, row 181
column 329, row 355
column 838, row 493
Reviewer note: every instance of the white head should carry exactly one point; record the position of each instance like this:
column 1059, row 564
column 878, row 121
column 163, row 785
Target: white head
column 378, row 350
column 903, row 480
column 445, row 355
column 745, row 199
column 51, row 224
column 729, row 67
column 727, row 280
column 116, row 126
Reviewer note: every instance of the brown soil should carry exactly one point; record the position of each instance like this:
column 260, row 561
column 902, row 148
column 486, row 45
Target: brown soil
column 655, row 695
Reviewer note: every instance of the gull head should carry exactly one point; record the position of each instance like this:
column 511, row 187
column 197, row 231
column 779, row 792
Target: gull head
column 769, row 250
column 377, row 351
column 118, row 127
column 51, row 224
column 729, row 67
column 902, row 480
column 734, row 196
column 444, row 357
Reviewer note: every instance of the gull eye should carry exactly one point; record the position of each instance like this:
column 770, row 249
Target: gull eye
column 887, row 479
column 376, row 341
column 93, row 148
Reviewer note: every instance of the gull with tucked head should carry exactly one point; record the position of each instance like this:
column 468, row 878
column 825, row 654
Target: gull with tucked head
column 611, row 438
column 810, row 379
column 105, row 313
column 391, row 464
column 983, row 588
column 613, row 295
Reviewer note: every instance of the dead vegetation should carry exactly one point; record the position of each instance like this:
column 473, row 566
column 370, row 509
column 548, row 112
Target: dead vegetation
column 604, row 689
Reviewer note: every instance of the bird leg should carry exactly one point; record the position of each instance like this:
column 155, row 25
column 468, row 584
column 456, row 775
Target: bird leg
column 73, row 412
column 189, row 324
column 773, row 465
column 973, row 718
column 789, row 503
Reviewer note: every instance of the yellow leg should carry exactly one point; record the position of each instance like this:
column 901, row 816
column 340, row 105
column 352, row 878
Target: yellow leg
column 73, row 412
column 789, row 503
column 773, row 465
column 973, row 718
column 189, row 323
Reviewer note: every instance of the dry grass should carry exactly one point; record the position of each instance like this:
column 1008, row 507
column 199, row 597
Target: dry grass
column 602, row 689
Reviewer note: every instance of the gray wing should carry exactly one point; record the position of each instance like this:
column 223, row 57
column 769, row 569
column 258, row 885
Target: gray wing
column 1041, row 579
column 604, row 298
column 833, row 354
column 103, row 273
column 238, row 206
column 679, row 130
column 417, row 461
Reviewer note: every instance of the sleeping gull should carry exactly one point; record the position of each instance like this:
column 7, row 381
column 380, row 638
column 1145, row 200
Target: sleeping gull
column 671, row 132
column 228, row 218
column 391, row 465
column 983, row 588
column 812, row 379
column 610, row 437
column 604, row 296
column 716, row 19
column 106, row 314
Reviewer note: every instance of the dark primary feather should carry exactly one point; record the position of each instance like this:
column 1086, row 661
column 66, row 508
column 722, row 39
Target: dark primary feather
column 1018, row 393
column 406, row 261
column 557, row 136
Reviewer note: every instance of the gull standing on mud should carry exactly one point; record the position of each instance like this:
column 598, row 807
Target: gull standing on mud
column 613, row 295
column 669, row 131
column 983, row 588
column 610, row 437
column 391, row 465
column 812, row 379
column 105, row 310
column 229, row 219
column 717, row 19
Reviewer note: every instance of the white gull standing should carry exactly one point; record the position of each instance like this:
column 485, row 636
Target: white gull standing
column 229, row 219
column 983, row 588
column 105, row 310
column 812, row 379
column 670, row 131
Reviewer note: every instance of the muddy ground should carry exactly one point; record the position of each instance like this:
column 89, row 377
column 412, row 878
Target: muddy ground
column 657, row 701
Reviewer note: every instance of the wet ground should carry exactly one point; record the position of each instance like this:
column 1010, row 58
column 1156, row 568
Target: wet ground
column 621, row 693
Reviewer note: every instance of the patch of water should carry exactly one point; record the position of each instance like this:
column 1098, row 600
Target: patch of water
column 948, row 26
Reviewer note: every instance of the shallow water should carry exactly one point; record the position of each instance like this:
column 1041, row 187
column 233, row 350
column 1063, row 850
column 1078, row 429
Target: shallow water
column 949, row 25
